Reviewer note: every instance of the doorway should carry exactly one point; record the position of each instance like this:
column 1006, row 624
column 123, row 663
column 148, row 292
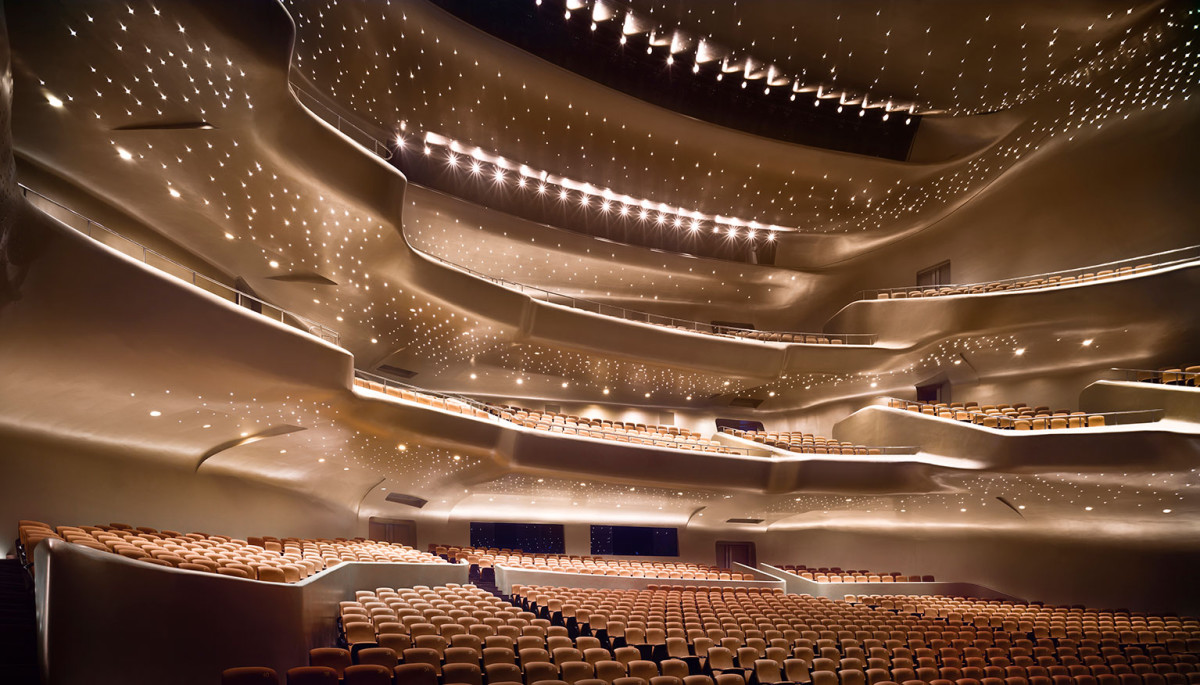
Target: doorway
column 938, row 274
column 934, row 393
column 730, row 551
column 403, row 531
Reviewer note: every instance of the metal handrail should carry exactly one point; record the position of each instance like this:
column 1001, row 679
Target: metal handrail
column 497, row 414
column 376, row 145
column 883, row 449
column 173, row 268
column 493, row 412
column 653, row 440
column 364, row 138
column 1180, row 376
column 1005, row 422
column 1086, row 274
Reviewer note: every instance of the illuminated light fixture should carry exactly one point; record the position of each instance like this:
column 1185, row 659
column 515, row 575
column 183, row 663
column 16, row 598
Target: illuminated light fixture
column 771, row 393
column 694, row 226
column 670, row 59
column 452, row 159
column 677, row 222
column 647, row 395
column 428, row 150
column 562, row 195
column 473, row 376
column 1088, row 342
column 602, row 11
column 173, row 192
column 633, row 24
column 1166, row 511
column 522, row 182
column 498, row 177
column 575, row 4
column 606, row 206
column 565, row 384
column 583, row 201
column 321, row 460
column 874, row 384
column 156, row 413
column 374, row 341
column 54, row 101
column 124, row 154
column 520, row 381
column 458, row 457
column 733, row 232
column 273, row 264
column 229, row 236
column 541, row 189
column 606, row 391
column 476, row 167
column 400, row 142
column 622, row 40
column 1019, row 351
column 402, row 447
column 771, row 236
column 885, row 116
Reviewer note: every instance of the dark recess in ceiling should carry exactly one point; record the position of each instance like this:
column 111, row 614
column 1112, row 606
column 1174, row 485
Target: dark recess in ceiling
column 598, row 55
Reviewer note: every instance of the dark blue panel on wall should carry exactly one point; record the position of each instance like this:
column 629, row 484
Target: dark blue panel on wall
column 635, row 541
column 536, row 538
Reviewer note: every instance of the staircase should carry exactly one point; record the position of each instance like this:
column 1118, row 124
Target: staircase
column 18, row 625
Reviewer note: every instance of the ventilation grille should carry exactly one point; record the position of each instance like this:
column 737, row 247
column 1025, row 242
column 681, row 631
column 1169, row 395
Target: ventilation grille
column 395, row 371
column 406, row 499
column 744, row 520
column 748, row 402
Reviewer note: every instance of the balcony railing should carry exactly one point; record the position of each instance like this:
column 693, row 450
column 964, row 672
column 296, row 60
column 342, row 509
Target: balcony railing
column 1189, row 377
column 372, row 142
column 803, row 447
column 1045, row 420
column 140, row 252
column 465, row 405
column 1087, row 274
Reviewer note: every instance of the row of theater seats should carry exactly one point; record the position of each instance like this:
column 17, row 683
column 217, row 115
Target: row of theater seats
column 837, row 575
column 593, row 565
column 1035, row 283
column 286, row 560
column 430, row 400
column 1019, row 416
column 735, row 637
column 1181, row 375
column 797, row 441
column 605, row 429
column 634, row 433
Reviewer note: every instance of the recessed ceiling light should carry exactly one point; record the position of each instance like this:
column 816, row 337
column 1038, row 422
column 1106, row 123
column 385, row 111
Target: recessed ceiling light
column 54, row 101
column 402, row 447
column 156, row 413
column 273, row 264
column 124, row 154
column 1087, row 342
column 1019, row 351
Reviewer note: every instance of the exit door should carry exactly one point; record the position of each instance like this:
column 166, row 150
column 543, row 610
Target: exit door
column 742, row 552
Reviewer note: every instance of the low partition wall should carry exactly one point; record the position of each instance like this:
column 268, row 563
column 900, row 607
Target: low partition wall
column 103, row 618
column 507, row 576
column 796, row 585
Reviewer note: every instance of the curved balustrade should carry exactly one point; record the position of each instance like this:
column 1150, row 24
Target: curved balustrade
column 470, row 407
column 1087, row 274
column 381, row 148
column 807, row 443
column 132, row 248
column 1022, row 417
column 1184, row 376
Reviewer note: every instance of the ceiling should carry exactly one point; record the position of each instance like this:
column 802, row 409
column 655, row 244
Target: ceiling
column 178, row 116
